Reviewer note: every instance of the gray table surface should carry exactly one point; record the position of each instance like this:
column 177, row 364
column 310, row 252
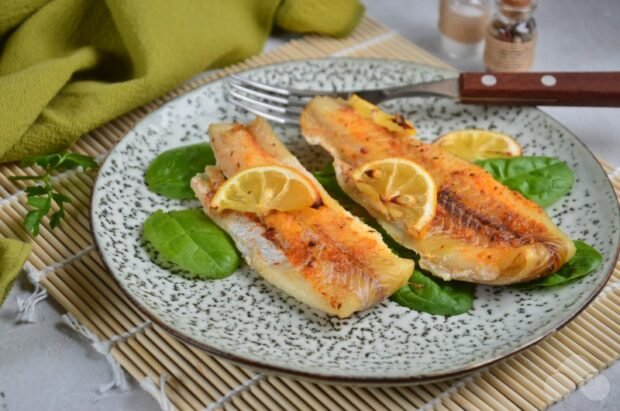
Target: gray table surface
column 44, row 366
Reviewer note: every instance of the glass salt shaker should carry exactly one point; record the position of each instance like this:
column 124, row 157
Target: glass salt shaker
column 462, row 24
column 511, row 36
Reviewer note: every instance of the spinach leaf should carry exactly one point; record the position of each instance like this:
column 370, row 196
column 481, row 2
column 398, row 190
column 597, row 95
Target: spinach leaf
column 543, row 180
column 585, row 260
column 189, row 239
column 435, row 296
column 424, row 292
column 170, row 172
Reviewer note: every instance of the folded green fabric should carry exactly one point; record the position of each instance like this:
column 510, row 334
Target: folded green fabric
column 68, row 66
column 13, row 254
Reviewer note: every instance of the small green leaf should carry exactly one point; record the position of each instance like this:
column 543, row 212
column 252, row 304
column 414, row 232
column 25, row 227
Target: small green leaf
column 45, row 161
column 36, row 190
column 73, row 160
column 56, row 217
column 41, row 202
column 585, row 260
column 60, row 198
column 189, row 239
column 32, row 221
column 60, row 161
column 435, row 296
column 543, row 180
column 169, row 174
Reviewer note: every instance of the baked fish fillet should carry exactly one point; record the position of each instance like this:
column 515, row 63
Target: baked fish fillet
column 482, row 231
column 323, row 256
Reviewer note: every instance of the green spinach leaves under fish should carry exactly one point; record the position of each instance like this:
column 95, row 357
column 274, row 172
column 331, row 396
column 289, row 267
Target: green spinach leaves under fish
column 206, row 251
column 430, row 294
column 543, row 180
column 169, row 174
column 585, row 260
column 187, row 238
column 435, row 296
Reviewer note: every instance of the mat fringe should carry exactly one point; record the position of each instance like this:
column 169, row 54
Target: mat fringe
column 158, row 392
column 104, row 347
column 26, row 306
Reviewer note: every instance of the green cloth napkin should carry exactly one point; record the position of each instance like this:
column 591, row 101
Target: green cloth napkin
column 68, row 66
column 13, row 254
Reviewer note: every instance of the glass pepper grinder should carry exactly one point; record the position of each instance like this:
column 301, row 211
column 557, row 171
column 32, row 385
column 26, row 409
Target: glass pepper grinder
column 511, row 36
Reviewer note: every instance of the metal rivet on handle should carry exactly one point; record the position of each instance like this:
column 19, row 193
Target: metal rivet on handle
column 488, row 80
column 548, row 80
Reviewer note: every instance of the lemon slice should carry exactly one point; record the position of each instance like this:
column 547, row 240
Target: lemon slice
column 392, row 122
column 398, row 189
column 474, row 145
column 265, row 188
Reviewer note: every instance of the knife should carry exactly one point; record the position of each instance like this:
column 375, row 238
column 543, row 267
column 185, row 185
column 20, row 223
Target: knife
column 593, row 89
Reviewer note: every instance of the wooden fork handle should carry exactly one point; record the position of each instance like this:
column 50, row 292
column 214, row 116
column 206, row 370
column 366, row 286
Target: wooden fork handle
column 591, row 89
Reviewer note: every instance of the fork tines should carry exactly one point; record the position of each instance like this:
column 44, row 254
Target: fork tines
column 278, row 104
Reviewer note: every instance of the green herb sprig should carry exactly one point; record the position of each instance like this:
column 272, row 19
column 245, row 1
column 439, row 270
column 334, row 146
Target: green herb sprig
column 42, row 196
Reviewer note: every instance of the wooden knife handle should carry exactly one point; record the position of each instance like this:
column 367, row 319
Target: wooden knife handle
column 591, row 89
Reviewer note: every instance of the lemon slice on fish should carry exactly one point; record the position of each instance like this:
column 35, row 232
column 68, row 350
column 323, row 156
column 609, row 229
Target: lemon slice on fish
column 472, row 145
column 398, row 189
column 265, row 188
column 392, row 122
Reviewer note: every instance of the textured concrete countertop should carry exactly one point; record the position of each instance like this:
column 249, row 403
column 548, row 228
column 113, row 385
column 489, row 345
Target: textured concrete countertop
column 45, row 366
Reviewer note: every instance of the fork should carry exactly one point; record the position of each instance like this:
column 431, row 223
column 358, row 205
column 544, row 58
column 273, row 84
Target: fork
column 596, row 89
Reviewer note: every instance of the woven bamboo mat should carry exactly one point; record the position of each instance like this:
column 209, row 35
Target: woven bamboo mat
column 71, row 272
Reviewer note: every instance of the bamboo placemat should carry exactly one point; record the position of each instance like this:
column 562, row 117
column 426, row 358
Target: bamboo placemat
column 69, row 270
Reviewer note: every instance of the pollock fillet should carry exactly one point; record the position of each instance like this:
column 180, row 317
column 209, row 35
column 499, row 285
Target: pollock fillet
column 324, row 256
column 482, row 232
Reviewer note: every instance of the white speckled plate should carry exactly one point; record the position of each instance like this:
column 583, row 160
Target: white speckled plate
column 248, row 321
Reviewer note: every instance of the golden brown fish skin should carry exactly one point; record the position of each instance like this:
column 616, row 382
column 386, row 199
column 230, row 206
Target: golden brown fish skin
column 341, row 264
column 482, row 232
